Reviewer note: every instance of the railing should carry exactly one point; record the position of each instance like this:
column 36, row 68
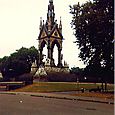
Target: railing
column 5, row 86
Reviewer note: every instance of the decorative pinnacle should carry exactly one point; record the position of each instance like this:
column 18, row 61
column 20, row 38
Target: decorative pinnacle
column 60, row 19
column 40, row 20
column 60, row 22
column 40, row 23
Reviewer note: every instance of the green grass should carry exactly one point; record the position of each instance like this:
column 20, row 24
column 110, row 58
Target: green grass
column 58, row 87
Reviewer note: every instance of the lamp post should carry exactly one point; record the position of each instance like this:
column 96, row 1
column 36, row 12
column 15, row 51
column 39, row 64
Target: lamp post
column 78, row 84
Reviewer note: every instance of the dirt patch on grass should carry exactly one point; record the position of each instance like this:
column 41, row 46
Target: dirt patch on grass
column 98, row 95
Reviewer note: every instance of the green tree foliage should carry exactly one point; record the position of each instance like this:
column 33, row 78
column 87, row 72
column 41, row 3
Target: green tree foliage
column 93, row 24
column 77, row 71
column 3, row 61
column 25, row 54
column 18, row 62
column 33, row 53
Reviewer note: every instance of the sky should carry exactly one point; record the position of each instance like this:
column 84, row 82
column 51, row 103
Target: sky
column 19, row 26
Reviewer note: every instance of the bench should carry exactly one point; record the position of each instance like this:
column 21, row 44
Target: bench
column 5, row 86
column 95, row 90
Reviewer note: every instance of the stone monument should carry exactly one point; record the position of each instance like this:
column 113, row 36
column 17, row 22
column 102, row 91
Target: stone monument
column 50, row 35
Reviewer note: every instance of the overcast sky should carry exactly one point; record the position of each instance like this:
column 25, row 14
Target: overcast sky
column 19, row 26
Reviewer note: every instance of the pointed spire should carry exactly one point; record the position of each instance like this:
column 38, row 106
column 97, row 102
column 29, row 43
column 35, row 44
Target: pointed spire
column 60, row 21
column 60, row 25
column 40, row 23
column 43, row 22
column 49, row 24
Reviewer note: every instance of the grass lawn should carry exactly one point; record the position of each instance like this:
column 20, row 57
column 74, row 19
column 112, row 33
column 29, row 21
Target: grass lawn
column 59, row 86
column 45, row 87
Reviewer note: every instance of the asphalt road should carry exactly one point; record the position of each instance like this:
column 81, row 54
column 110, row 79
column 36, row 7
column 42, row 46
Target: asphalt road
column 30, row 105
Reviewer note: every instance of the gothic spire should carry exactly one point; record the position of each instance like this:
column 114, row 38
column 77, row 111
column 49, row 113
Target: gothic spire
column 49, row 24
column 40, row 27
column 60, row 25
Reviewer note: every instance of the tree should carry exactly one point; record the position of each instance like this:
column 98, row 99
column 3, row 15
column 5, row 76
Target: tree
column 26, row 54
column 18, row 62
column 77, row 70
column 2, row 62
column 93, row 24
column 33, row 53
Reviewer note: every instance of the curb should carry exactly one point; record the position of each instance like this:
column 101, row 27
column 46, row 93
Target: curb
column 77, row 99
column 58, row 97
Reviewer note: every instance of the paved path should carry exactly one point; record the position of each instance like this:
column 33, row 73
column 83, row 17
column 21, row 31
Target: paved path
column 63, row 96
column 26, row 104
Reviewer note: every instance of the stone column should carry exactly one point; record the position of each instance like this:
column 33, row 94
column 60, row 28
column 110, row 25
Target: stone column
column 49, row 52
column 40, row 57
column 52, row 60
column 59, row 58
column 52, row 53
column 49, row 49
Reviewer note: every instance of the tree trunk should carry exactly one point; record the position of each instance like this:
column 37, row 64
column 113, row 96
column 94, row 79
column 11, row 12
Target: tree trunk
column 105, row 86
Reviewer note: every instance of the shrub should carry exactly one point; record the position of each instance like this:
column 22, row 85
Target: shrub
column 61, row 77
column 27, row 78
